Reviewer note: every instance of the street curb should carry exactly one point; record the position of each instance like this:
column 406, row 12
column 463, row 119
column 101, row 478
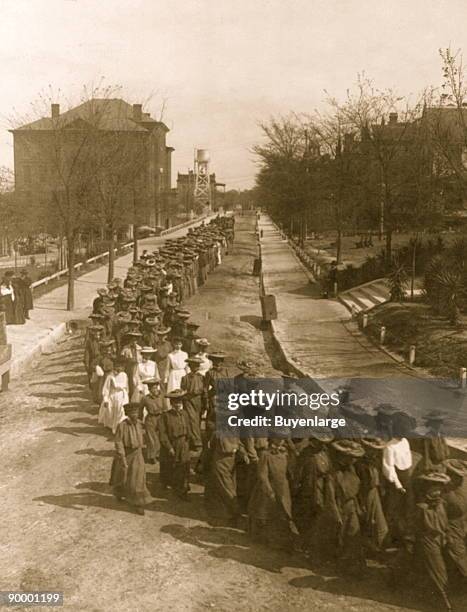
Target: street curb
column 20, row 364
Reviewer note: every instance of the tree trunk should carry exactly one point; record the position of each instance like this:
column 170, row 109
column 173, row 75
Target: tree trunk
column 339, row 247
column 111, row 267
column 70, row 300
column 388, row 248
column 135, row 243
column 412, row 280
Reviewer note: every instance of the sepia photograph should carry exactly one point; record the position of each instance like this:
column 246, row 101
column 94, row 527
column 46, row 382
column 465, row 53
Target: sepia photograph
column 233, row 305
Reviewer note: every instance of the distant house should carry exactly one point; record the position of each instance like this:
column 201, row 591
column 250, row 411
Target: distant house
column 38, row 163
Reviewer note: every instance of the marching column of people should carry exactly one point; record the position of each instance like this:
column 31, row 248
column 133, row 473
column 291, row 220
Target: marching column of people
column 392, row 495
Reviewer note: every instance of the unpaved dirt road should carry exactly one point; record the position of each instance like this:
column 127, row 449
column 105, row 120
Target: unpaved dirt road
column 60, row 527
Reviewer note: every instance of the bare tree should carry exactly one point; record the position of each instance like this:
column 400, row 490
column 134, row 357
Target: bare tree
column 383, row 122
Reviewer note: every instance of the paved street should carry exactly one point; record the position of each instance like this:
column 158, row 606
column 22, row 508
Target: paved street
column 62, row 529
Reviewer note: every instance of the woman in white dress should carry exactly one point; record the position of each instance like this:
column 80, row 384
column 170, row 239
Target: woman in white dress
column 114, row 397
column 176, row 366
column 146, row 369
column 206, row 363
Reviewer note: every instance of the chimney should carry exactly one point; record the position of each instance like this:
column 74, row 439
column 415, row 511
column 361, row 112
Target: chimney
column 392, row 118
column 55, row 110
column 137, row 112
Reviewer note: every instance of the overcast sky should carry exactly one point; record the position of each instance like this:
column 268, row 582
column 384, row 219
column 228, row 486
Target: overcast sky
column 223, row 65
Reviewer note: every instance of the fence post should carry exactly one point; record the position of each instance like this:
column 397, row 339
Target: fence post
column 364, row 321
column 463, row 377
column 382, row 334
column 412, row 354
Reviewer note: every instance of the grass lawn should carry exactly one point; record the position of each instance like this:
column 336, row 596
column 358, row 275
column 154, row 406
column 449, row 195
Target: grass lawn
column 441, row 347
column 356, row 257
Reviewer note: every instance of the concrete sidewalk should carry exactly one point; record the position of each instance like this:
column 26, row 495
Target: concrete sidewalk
column 49, row 318
column 316, row 333
column 319, row 339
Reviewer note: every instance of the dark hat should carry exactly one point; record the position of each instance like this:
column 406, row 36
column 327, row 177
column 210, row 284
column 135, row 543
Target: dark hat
column 456, row 466
column 151, row 321
column 349, row 448
column 386, row 410
column 134, row 334
column 163, row 331
column 435, row 415
column 183, row 314
column 176, row 394
column 131, row 407
column 95, row 328
column 217, row 356
column 195, row 360
column 192, row 325
column 435, row 478
column 150, row 297
column 374, row 443
column 96, row 315
column 245, row 366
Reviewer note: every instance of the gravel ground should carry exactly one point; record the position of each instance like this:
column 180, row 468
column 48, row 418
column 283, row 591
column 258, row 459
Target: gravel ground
column 62, row 529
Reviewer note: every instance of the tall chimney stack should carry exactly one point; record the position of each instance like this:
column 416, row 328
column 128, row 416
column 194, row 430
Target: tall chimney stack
column 137, row 112
column 55, row 111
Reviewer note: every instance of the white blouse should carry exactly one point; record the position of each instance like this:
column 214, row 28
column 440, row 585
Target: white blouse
column 397, row 454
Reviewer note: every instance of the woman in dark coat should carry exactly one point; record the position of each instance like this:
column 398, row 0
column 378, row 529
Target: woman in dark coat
column 154, row 404
column 314, row 504
column 456, row 509
column 368, row 468
column 174, row 436
column 128, row 474
column 431, row 527
column 220, row 493
column 270, row 504
column 26, row 283
column 349, row 548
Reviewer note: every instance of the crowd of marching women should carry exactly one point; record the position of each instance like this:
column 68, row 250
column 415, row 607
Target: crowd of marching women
column 155, row 381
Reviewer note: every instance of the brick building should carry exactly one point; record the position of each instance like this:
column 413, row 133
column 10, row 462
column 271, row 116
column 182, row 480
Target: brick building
column 35, row 151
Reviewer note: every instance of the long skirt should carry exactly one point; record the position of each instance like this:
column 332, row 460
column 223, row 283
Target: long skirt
column 175, row 379
column 130, row 482
column 193, row 407
column 349, row 549
column 220, row 493
column 375, row 527
column 151, row 428
column 174, row 473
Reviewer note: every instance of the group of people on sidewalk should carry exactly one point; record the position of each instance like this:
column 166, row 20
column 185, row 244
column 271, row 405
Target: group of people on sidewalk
column 389, row 496
column 16, row 297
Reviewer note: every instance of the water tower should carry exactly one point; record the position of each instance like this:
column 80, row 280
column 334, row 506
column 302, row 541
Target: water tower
column 202, row 185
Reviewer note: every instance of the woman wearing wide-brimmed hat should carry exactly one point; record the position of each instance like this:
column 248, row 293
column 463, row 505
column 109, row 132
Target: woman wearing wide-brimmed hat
column 128, row 473
column 314, row 504
column 270, row 503
column 431, row 528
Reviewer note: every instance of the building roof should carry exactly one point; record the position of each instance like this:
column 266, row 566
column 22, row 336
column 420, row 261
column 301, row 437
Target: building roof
column 107, row 114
